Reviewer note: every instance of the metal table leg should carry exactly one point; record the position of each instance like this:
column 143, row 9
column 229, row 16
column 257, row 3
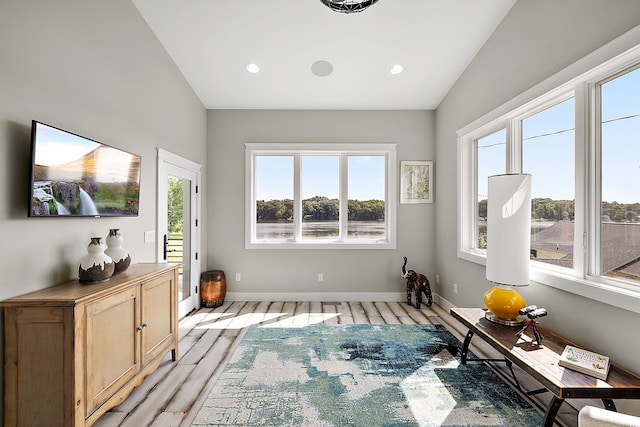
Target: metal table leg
column 552, row 411
column 609, row 405
column 465, row 347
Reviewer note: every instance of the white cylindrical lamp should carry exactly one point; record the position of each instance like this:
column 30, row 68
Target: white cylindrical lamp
column 508, row 244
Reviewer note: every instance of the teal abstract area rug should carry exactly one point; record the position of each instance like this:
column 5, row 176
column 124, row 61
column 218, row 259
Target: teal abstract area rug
column 359, row 375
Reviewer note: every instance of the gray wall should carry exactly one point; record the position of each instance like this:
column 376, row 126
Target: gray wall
column 295, row 271
column 96, row 69
column 535, row 40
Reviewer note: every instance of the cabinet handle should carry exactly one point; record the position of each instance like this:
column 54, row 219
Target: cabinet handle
column 139, row 328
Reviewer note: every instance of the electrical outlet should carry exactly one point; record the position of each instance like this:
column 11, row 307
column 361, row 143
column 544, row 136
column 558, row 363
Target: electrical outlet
column 238, row 277
column 437, row 279
column 455, row 288
column 320, row 277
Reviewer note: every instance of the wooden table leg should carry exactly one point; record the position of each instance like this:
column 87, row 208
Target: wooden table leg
column 552, row 411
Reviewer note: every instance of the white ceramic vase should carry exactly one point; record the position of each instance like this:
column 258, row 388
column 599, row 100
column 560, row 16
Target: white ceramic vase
column 117, row 253
column 96, row 266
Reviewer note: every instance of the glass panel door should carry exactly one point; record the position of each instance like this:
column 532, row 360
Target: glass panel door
column 178, row 231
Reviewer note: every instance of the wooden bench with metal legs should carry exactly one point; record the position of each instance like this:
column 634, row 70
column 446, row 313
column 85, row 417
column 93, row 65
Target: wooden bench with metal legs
column 541, row 363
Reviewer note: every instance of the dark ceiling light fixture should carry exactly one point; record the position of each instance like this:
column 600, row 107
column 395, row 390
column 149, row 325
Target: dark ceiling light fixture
column 348, row 6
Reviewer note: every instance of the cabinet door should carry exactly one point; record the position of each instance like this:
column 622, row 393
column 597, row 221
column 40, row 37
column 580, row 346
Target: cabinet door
column 38, row 367
column 112, row 344
column 158, row 298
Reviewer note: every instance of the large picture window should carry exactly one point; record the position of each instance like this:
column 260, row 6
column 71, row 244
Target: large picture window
column 579, row 141
column 320, row 195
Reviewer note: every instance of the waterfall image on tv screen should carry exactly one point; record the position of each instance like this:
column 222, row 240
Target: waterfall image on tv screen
column 76, row 176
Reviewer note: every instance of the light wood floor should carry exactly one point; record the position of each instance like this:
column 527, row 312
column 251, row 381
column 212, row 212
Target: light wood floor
column 173, row 394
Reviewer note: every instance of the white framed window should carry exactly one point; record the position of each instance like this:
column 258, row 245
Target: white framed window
column 617, row 149
column 577, row 135
column 320, row 196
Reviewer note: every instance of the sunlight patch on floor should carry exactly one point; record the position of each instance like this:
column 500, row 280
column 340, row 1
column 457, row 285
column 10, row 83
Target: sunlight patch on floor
column 427, row 397
column 301, row 320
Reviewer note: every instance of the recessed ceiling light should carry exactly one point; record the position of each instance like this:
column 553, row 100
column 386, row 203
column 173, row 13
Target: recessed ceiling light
column 396, row 69
column 253, row 68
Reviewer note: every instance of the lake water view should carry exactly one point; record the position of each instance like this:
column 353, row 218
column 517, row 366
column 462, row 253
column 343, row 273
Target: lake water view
column 324, row 230
column 536, row 226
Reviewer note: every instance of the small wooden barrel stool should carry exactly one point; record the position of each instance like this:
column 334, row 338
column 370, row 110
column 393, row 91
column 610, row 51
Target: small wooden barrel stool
column 213, row 288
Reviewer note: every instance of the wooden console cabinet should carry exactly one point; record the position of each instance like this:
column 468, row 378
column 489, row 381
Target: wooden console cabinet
column 75, row 350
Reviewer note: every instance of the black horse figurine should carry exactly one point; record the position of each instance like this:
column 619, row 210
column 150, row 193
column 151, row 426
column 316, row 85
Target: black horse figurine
column 418, row 284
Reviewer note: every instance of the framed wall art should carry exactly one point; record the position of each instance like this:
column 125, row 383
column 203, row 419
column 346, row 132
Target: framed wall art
column 416, row 181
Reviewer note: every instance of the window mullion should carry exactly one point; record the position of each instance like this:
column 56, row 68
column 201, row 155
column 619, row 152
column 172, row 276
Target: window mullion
column 344, row 196
column 250, row 197
column 595, row 181
column 471, row 198
column 514, row 146
column 583, row 205
column 297, row 197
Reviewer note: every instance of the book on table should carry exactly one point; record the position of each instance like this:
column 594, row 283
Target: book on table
column 585, row 361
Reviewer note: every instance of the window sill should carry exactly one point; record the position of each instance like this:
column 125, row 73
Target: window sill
column 627, row 299
column 475, row 257
column 617, row 296
column 321, row 245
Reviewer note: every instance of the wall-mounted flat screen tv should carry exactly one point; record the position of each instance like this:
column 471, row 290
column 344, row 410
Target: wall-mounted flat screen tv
column 76, row 176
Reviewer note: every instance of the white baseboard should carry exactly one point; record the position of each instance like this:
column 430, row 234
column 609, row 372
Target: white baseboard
column 317, row 296
column 331, row 296
column 443, row 303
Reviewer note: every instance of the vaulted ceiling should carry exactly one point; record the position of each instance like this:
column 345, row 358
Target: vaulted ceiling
column 213, row 41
